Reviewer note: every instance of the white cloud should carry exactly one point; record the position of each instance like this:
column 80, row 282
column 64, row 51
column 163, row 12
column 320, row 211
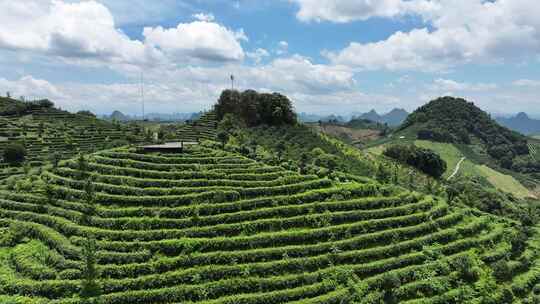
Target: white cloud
column 258, row 55
column 283, row 48
column 298, row 74
column 526, row 83
column 70, row 30
column 462, row 31
column 85, row 32
column 191, row 88
column 204, row 17
column 441, row 84
column 31, row 88
column 200, row 40
column 342, row 11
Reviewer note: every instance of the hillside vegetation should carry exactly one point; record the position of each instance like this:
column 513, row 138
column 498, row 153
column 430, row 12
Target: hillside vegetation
column 271, row 213
column 212, row 226
column 455, row 120
column 49, row 134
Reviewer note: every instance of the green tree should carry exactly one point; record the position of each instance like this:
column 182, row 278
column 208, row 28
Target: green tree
column 90, row 287
column 280, row 149
column 228, row 123
column 304, row 160
column 55, row 159
column 14, row 153
column 382, row 175
column 425, row 160
column 89, row 199
column 82, row 166
column 327, row 161
column 222, row 137
column 395, row 175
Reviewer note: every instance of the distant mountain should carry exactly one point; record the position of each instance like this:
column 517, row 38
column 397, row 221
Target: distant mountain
column 521, row 123
column 172, row 117
column 119, row 116
column 455, row 120
column 371, row 115
column 306, row 117
column 393, row 118
column 361, row 123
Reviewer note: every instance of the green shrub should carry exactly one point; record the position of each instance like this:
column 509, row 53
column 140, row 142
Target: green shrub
column 14, row 153
column 425, row 160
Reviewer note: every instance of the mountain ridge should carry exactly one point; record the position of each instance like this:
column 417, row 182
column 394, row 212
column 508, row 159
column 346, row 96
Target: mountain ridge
column 521, row 122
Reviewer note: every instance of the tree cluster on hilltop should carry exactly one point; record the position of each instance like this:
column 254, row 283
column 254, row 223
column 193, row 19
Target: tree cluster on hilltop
column 454, row 120
column 255, row 108
column 10, row 106
column 423, row 159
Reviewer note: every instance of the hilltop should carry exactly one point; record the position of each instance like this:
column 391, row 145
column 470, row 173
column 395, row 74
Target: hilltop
column 457, row 121
column 475, row 147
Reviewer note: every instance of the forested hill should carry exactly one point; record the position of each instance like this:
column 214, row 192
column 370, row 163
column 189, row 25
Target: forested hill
column 456, row 120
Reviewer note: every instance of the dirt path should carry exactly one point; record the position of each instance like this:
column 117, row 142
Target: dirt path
column 456, row 170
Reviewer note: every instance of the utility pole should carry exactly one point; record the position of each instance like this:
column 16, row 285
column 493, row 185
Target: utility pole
column 142, row 94
column 232, row 81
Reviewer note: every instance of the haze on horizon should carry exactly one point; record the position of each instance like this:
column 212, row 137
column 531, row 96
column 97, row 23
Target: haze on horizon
column 328, row 56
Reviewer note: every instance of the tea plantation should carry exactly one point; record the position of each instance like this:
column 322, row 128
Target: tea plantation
column 210, row 226
column 203, row 128
column 48, row 130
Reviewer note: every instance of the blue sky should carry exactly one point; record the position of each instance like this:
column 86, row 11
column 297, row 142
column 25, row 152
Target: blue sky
column 328, row 56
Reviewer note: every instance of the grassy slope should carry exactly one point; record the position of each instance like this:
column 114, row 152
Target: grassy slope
column 502, row 181
column 451, row 154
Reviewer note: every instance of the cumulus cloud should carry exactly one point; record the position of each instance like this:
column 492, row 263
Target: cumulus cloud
column 86, row 32
column 200, row 39
column 342, row 11
column 283, row 48
column 31, row 88
column 460, row 31
column 258, row 55
column 204, row 17
column 70, row 30
column 441, row 84
column 191, row 88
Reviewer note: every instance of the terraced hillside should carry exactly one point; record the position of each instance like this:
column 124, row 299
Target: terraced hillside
column 208, row 226
column 47, row 130
column 200, row 129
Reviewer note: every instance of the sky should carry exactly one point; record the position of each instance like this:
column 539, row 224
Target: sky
column 327, row 56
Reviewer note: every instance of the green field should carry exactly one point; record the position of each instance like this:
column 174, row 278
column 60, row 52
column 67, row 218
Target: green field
column 503, row 182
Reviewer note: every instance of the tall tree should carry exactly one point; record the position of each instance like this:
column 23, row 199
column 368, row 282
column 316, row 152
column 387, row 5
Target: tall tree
column 90, row 287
